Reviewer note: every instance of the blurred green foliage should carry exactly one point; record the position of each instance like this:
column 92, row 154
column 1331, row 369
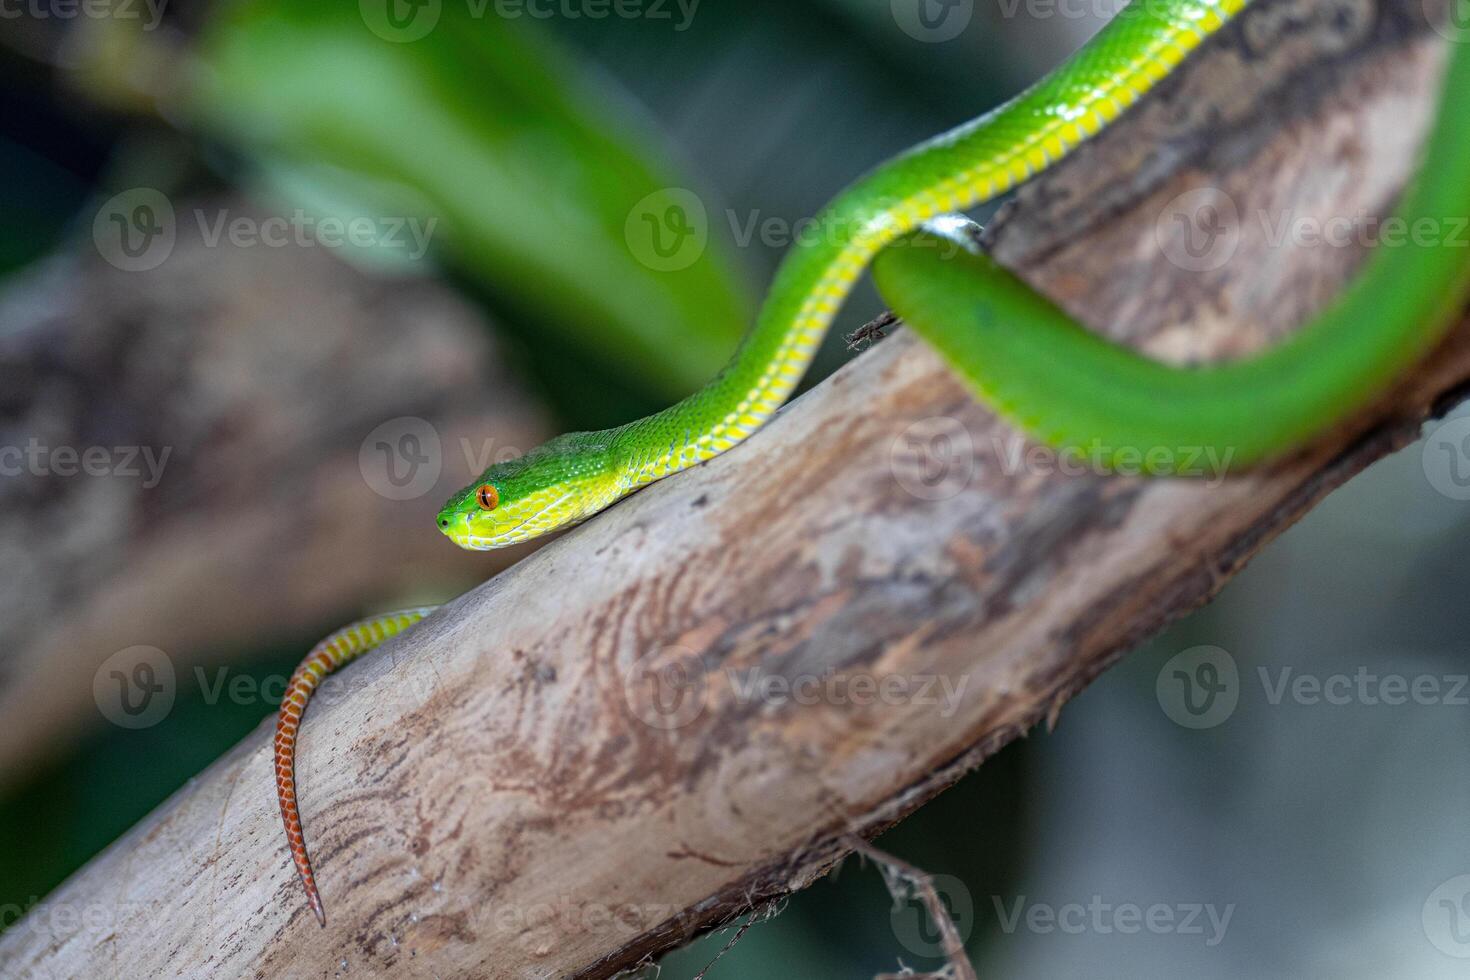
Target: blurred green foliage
column 530, row 164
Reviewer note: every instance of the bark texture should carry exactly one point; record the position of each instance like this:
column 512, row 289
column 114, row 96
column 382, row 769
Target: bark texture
column 564, row 772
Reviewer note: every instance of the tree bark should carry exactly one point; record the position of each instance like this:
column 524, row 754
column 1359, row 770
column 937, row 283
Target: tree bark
column 589, row 760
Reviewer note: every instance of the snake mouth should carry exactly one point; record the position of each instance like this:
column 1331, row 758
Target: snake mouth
column 461, row 531
column 462, row 534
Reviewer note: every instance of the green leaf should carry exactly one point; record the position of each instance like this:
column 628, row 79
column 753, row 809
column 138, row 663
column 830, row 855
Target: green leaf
column 543, row 182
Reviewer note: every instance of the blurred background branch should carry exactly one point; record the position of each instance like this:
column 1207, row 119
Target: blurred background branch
column 237, row 422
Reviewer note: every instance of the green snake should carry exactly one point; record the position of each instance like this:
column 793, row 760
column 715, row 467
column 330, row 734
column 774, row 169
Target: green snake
column 1024, row 357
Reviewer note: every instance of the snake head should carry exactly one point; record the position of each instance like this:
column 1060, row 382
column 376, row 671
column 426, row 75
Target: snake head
column 552, row 487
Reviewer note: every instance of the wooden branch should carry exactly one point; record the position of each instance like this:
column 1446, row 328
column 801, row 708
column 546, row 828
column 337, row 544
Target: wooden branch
column 225, row 395
column 682, row 709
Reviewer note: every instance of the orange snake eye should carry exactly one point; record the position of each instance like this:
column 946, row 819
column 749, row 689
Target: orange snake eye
column 488, row 497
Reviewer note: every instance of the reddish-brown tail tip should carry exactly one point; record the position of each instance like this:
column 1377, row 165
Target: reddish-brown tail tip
column 316, row 906
column 285, row 758
column 330, row 654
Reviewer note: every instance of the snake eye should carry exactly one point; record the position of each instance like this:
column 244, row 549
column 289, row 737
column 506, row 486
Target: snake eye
column 488, row 497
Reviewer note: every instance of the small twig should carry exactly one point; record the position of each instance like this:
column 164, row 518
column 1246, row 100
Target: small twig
column 896, row 872
column 726, row 948
column 761, row 914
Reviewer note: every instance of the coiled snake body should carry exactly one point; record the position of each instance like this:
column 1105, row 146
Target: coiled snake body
column 1021, row 355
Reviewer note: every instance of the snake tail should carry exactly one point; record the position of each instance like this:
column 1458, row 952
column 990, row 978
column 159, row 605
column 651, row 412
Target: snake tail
column 342, row 647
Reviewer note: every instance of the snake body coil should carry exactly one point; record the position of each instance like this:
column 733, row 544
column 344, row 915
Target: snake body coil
column 1022, row 355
